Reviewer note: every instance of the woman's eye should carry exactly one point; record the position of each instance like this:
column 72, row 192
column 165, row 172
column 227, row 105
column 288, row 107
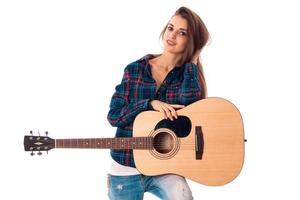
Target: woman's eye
column 170, row 28
column 183, row 33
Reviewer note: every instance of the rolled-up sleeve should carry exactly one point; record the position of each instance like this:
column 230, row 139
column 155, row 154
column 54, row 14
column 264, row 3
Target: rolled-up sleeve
column 122, row 109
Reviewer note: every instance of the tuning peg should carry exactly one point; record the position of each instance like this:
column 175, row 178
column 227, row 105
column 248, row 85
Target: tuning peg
column 46, row 133
column 39, row 153
column 31, row 132
column 32, row 154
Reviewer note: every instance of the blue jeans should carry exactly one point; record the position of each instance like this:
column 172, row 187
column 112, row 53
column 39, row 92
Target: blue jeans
column 166, row 187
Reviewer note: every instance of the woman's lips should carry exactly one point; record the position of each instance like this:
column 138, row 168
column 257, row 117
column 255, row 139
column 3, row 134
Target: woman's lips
column 171, row 43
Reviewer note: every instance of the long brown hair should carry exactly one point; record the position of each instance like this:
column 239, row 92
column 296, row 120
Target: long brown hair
column 198, row 36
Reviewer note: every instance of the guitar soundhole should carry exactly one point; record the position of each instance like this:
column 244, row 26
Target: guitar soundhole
column 165, row 143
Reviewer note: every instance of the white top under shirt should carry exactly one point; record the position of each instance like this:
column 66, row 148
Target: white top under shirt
column 117, row 169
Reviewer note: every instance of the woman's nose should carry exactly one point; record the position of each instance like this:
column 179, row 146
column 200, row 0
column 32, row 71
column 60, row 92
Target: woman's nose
column 173, row 35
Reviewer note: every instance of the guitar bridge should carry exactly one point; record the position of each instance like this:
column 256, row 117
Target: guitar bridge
column 199, row 142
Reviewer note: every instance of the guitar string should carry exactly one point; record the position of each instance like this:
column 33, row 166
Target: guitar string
column 124, row 145
column 116, row 143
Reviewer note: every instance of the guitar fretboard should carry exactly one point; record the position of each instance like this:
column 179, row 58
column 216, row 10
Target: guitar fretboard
column 106, row 143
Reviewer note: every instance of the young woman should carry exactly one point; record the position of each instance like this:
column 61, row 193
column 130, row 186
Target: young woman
column 164, row 83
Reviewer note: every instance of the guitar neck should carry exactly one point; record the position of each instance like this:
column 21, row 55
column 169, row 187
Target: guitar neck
column 106, row 143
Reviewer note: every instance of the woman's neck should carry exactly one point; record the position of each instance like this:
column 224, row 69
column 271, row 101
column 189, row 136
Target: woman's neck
column 166, row 61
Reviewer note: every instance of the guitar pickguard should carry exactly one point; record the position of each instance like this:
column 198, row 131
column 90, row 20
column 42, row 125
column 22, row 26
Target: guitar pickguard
column 180, row 126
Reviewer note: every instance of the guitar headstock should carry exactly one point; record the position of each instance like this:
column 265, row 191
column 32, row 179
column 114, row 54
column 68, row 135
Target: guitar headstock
column 38, row 143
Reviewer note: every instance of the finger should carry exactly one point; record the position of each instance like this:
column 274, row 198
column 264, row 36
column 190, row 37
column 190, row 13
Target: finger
column 168, row 113
column 163, row 112
column 172, row 110
column 176, row 106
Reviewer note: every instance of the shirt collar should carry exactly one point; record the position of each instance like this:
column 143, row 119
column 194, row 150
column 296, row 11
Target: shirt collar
column 144, row 61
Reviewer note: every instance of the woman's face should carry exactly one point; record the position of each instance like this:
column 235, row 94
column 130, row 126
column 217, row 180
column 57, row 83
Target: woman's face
column 175, row 36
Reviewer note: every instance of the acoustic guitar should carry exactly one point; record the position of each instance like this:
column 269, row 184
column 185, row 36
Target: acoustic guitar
column 204, row 144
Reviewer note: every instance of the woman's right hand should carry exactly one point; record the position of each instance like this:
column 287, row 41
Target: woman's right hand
column 169, row 110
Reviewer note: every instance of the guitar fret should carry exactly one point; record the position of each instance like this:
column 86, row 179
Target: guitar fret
column 134, row 143
column 93, row 143
column 79, row 143
column 140, row 143
column 73, row 142
column 121, row 143
column 109, row 143
column 137, row 143
column 86, row 143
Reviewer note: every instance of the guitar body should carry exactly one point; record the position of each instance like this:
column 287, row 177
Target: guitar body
column 205, row 144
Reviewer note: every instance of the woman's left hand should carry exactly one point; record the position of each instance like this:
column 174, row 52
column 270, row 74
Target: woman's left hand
column 196, row 57
column 169, row 110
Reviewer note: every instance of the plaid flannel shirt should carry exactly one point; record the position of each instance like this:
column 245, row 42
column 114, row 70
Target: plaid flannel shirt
column 138, row 88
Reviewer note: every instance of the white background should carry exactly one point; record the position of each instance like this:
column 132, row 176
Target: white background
column 60, row 61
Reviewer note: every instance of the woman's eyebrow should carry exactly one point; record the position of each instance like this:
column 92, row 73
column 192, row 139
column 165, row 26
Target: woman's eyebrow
column 183, row 29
